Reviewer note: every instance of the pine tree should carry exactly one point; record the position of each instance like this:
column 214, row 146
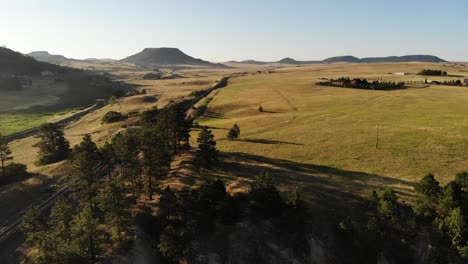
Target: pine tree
column 108, row 158
column 234, row 132
column 157, row 159
column 127, row 150
column 86, row 162
column 87, row 235
column 5, row 153
column 53, row 146
column 60, row 219
column 113, row 202
column 207, row 152
column 33, row 225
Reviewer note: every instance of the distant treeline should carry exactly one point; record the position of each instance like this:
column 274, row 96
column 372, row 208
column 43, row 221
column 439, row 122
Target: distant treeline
column 362, row 84
column 449, row 83
column 433, row 72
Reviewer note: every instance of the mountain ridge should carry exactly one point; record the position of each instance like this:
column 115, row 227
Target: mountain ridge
column 351, row 59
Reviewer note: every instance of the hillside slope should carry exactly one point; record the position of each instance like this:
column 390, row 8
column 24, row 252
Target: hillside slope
column 15, row 63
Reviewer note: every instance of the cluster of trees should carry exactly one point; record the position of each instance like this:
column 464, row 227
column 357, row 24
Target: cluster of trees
column 9, row 169
column 388, row 225
column 110, row 179
column 188, row 214
column 113, row 116
column 452, row 83
column 362, row 84
column 432, row 72
column 446, row 207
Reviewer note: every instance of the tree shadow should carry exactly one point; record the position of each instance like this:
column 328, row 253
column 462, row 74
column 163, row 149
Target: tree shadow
column 271, row 112
column 269, row 142
column 211, row 114
column 325, row 188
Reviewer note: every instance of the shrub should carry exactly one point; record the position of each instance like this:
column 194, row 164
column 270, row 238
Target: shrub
column 16, row 169
column 260, row 109
column 113, row 116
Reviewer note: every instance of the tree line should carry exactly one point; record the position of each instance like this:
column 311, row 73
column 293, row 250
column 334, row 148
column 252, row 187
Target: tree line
column 430, row 72
column 362, row 84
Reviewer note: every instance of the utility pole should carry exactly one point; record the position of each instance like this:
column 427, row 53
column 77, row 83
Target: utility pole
column 377, row 138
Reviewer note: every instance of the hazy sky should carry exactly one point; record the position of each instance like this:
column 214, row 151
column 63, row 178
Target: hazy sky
column 219, row 30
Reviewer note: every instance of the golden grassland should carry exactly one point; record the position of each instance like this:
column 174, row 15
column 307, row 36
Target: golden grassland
column 46, row 178
column 328, row 134
column 319, row 139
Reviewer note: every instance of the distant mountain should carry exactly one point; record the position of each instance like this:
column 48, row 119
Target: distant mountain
column 288, row 61
column 96, row 60
column 15, row 63
column 167, row 56
column 350, row 59
column 254, row 62
column 408, row 58
column 45, row 56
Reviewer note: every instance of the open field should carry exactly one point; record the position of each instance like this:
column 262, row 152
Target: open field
column 316, row 138
column 313, row 130
column 15, row 122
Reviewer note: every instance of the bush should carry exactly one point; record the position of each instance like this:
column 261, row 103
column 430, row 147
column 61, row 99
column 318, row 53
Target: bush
column 112, row 117
column 13, row 173
column 260, row 109
column 16, row 169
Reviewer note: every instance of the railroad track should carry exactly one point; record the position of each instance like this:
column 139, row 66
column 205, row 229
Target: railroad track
column 14, row 225
column 7, row 231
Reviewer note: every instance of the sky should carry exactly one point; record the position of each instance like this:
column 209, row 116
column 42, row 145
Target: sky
column 222, row 30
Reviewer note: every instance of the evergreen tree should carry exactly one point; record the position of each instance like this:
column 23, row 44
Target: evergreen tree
column 127, row 150
column 5, row 153
column 113, row 202
column 60, row 219
column 157, row 159
column 429, row 187
column 265, row 197
column 108, row 158
column 234, row 132
column 53, row 146
column 207, row 152
column 87, row 235
column 86, row 162
column 33, row 225
column 174, row 126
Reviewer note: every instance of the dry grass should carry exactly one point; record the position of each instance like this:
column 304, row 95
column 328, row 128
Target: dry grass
column 334, row 129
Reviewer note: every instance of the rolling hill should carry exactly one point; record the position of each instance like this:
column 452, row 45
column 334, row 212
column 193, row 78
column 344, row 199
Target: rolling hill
column 167, row 56
column 15, row 63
